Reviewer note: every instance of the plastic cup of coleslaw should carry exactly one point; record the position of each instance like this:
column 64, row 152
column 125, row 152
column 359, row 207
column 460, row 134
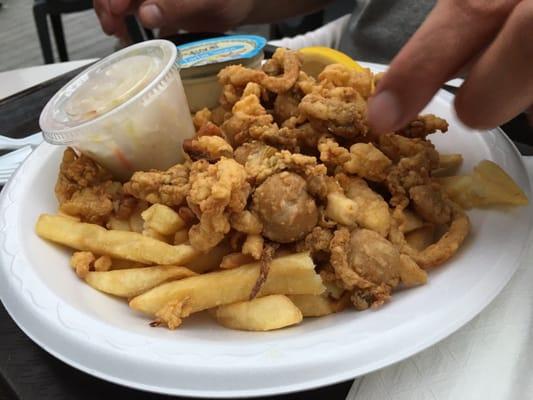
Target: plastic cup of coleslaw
column 128, row 111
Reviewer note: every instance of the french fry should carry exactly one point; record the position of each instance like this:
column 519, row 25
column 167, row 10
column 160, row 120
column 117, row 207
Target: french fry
column 458, row 188
column 317, row 306
column 181, row 236
column 448, row 164
column 496, row 186
column 136, row 222
column 211, row 260
column 132, row 282
column 118, row 224
column 162, row 219
column 260, row 314
column 292, row 274
column 235, row 260
column 63, row 214
column 117, row 263
column 116, row 244
column 487, row 185
column 156, row 235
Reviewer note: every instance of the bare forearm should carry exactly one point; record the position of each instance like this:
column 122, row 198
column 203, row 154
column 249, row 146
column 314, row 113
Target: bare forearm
column 267, row 11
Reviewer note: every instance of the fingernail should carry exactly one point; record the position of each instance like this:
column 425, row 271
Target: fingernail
column 151, row 15
column 384, row 112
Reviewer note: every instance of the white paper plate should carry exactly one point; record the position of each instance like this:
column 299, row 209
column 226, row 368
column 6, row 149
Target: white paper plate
column 103, row 337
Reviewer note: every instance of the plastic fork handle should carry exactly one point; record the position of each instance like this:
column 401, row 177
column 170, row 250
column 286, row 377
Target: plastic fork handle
column 7, row 143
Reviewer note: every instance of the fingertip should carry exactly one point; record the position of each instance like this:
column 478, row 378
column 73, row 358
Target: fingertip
column 107, row 23
column 384, row 112
column 468, row 115
column 151, row 16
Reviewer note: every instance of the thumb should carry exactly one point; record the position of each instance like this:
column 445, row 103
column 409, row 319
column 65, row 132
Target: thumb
column 194, row 15
column 176, row 13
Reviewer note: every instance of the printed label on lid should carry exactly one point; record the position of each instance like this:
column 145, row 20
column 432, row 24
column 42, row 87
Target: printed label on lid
column 221, row 49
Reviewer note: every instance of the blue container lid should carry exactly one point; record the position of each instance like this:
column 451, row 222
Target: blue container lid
column 220, row 50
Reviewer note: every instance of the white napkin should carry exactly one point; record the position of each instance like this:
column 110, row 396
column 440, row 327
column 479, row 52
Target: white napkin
column 489, row 358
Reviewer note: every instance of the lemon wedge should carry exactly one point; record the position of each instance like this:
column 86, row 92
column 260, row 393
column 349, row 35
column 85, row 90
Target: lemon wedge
column 316, row 58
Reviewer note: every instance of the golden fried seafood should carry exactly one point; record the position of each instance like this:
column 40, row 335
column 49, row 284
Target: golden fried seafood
column 168, row 187
column 429, row 202
column 363, row 159
column 424, row 125
column 85, row 190
column 287, row 211
column 340, row 111
column 336, row 75
column 216, row 190
column 286, row 163
column 210, row 148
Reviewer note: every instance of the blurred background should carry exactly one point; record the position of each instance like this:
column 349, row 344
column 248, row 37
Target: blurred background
column 28, row 26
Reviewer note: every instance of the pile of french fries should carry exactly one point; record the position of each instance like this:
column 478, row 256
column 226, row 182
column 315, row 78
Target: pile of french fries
column 168, row 281
column 147, row 261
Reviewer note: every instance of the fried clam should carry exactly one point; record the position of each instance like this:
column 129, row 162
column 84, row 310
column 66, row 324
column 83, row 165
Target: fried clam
column 216, row 191
column 86, row 190
column 168, row 187
column 370, row 266
column 341, row 111
column 286, row 210
column 439, row 252
column 283, row 72
column 261, row 161
column 362, row 159
column 423, row 125
column 336, row 75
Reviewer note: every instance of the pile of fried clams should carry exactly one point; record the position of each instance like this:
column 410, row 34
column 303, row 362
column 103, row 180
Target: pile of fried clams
column 287, row 163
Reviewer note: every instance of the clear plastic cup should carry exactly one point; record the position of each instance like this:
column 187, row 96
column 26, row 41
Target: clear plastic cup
column 128, row 111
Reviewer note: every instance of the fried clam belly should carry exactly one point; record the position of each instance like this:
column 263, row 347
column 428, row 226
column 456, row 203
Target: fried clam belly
column 84, row 189
column 234, row 79
column 439, row 252
column 341, row 111
column 423, row 125
column 77, row 172
column 338, row 75
column 210, row 148
column 366, row 264
column 429, row 202
column 216, row 191
column 396, row 147
column 262, row 161
column 373, row 211
column 247, row 113
column 283, row 68
column 285, row 208
column 168, row 187
column 362, row 159
column 406, row 174
column 290, row 66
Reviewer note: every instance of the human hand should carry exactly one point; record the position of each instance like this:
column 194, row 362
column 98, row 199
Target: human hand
column 111, row 14
column 492, row 40
column 171, row 15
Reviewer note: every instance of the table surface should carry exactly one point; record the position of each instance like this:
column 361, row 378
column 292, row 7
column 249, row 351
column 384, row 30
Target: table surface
column 28, row 372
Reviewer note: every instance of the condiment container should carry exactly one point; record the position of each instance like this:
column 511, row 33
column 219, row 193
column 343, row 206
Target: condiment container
column 201, row 61
column 128, row 111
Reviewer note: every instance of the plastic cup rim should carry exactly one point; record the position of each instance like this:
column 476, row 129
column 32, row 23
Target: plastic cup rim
column 172, row 62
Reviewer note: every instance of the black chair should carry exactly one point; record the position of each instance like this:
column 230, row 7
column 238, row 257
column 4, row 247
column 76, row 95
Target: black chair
column 54, row 9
